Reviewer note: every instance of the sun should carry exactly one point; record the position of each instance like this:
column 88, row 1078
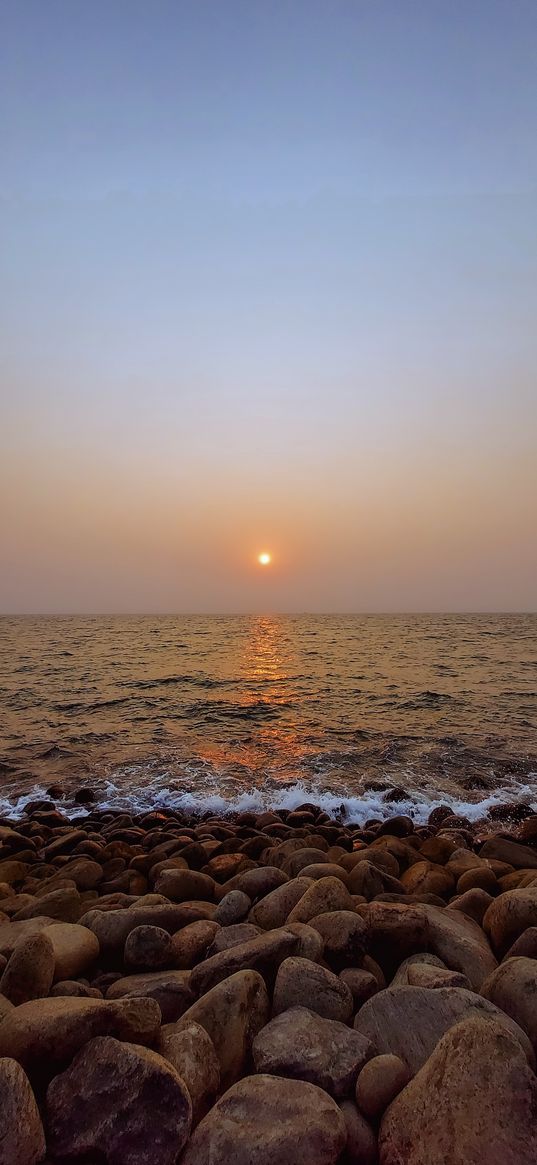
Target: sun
column 264, row 559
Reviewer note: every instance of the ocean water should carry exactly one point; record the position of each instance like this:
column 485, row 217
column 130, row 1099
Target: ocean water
column 366, row 715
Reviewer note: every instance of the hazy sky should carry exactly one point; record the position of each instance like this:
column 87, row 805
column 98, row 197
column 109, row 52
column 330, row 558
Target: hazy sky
column 268, row 282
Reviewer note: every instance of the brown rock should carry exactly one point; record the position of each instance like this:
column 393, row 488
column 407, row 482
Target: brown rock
column 361, row 1147
column 379, row 1082
column 170, row 989
column 231, row 1013
column 427, row 878
column 409, row 1021
column 45, row 1034
column 513, row 988
column 227, row 937
column 526, row 945
column 22, row 1140
column 64, row 904
column 475, row 1100
column 12, row 932
column 361, row 983
column 297, row 861
column 263, row 953
column 112, row 927
column 75, row 949
column 258, row 882
column 232, row 908
column 269, row 1121
column 190, row 944
column 310, row 942
column 130, row 1105
column 300, row 1044
column 76, row 988
column 185, row 885
column 30, row 971
column 473, row 903
column 300, row 983
column 460, row 942
column 481, row 878
column 192, row 1054
column 507, row 917
column 326, row 895
column 503, row 850
column 345, row 937
column 148, row 948
column 395, row 931
column 274, row 909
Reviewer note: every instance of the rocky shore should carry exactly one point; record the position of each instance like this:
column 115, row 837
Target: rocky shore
column 277, row 989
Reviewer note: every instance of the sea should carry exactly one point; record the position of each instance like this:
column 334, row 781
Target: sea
column 366, row 716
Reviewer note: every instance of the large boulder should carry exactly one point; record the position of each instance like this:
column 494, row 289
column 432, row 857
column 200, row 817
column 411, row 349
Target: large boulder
column 45, row 1034
column 119, row 1100
column 409, row 1021
column 30, row 971
column 191, row 1051
column 474, row 1100
column 269, row 1121
column 300, row 983
column 231, row 1013
column 171, row 989
column 264, row 953
column 22, row 1140
column 513, row 988
column 300, row 1044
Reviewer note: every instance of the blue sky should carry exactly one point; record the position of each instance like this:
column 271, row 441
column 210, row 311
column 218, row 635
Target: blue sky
column 269, row 275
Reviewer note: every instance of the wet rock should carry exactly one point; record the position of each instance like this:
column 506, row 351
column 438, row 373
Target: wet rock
column 192, row 1054
column 232, row 908
column 170, row 989
column 379, row 1082
column 473, row 903
column 428, row 878
column 231, row 1013
column 119, row 1100
column 326, row 895
column 300, row 1044
column 148, row 948
column 409, row 1021
column 475, row 1100
column 345, row 937
column 481, row 878
column 272, row 1122
column 460, row 943
column 274, row 909
column 513, row 988
column 30, row 971
column 517, row 855
column 300, row 983
column 361, row 1147
column 263, row 953
column 190, row 944
column 22, row 1140
column 45, row 1034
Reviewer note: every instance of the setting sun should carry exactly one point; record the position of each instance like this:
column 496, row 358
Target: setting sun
column 264, row 559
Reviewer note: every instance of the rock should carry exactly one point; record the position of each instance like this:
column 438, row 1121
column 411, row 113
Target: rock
column 480, row 878
column 258, row 882
column 423, row 975
column 345, row 937
column 362, row 984
column 75, row 949
column 232, row 936
column 6, row 1007
column 395, row 931
column 300, row 1044
column 507, row 917
column 231, row 1013
column 30, row 971
column 326, row 895
column 473, row 903
column 148, row 948
column 401, row 979
column 192, row 1054
column 296, row 862
column 379, row 1082
column 310, row 942
column 361, row 1147
column 45, row 1034
column 324, row 870
column 526, row 945
column 428, row 878
column 190, row 944
column 274, row 909
column 22, row 1140
column 263, row 953
column 119, row 1100
column 12, row 932
column 112, row 927
column 460, row 942
column 171, row 990
column 64, row 904
column 185, row 885
column 503, row 850
column 12, row 871
column 475, row 1100
column 513, row 988
column 73, row 987
column 233, row 907
column 269, row 1121
column 300, row 983
column 409, row 1021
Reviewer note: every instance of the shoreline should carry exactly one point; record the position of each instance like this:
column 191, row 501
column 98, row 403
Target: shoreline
column 273, row 986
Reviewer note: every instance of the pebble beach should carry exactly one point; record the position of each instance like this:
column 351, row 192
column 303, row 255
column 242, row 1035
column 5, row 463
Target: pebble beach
column 266, row 988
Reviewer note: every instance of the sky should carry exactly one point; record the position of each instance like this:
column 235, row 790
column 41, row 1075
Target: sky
column 268, row 282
